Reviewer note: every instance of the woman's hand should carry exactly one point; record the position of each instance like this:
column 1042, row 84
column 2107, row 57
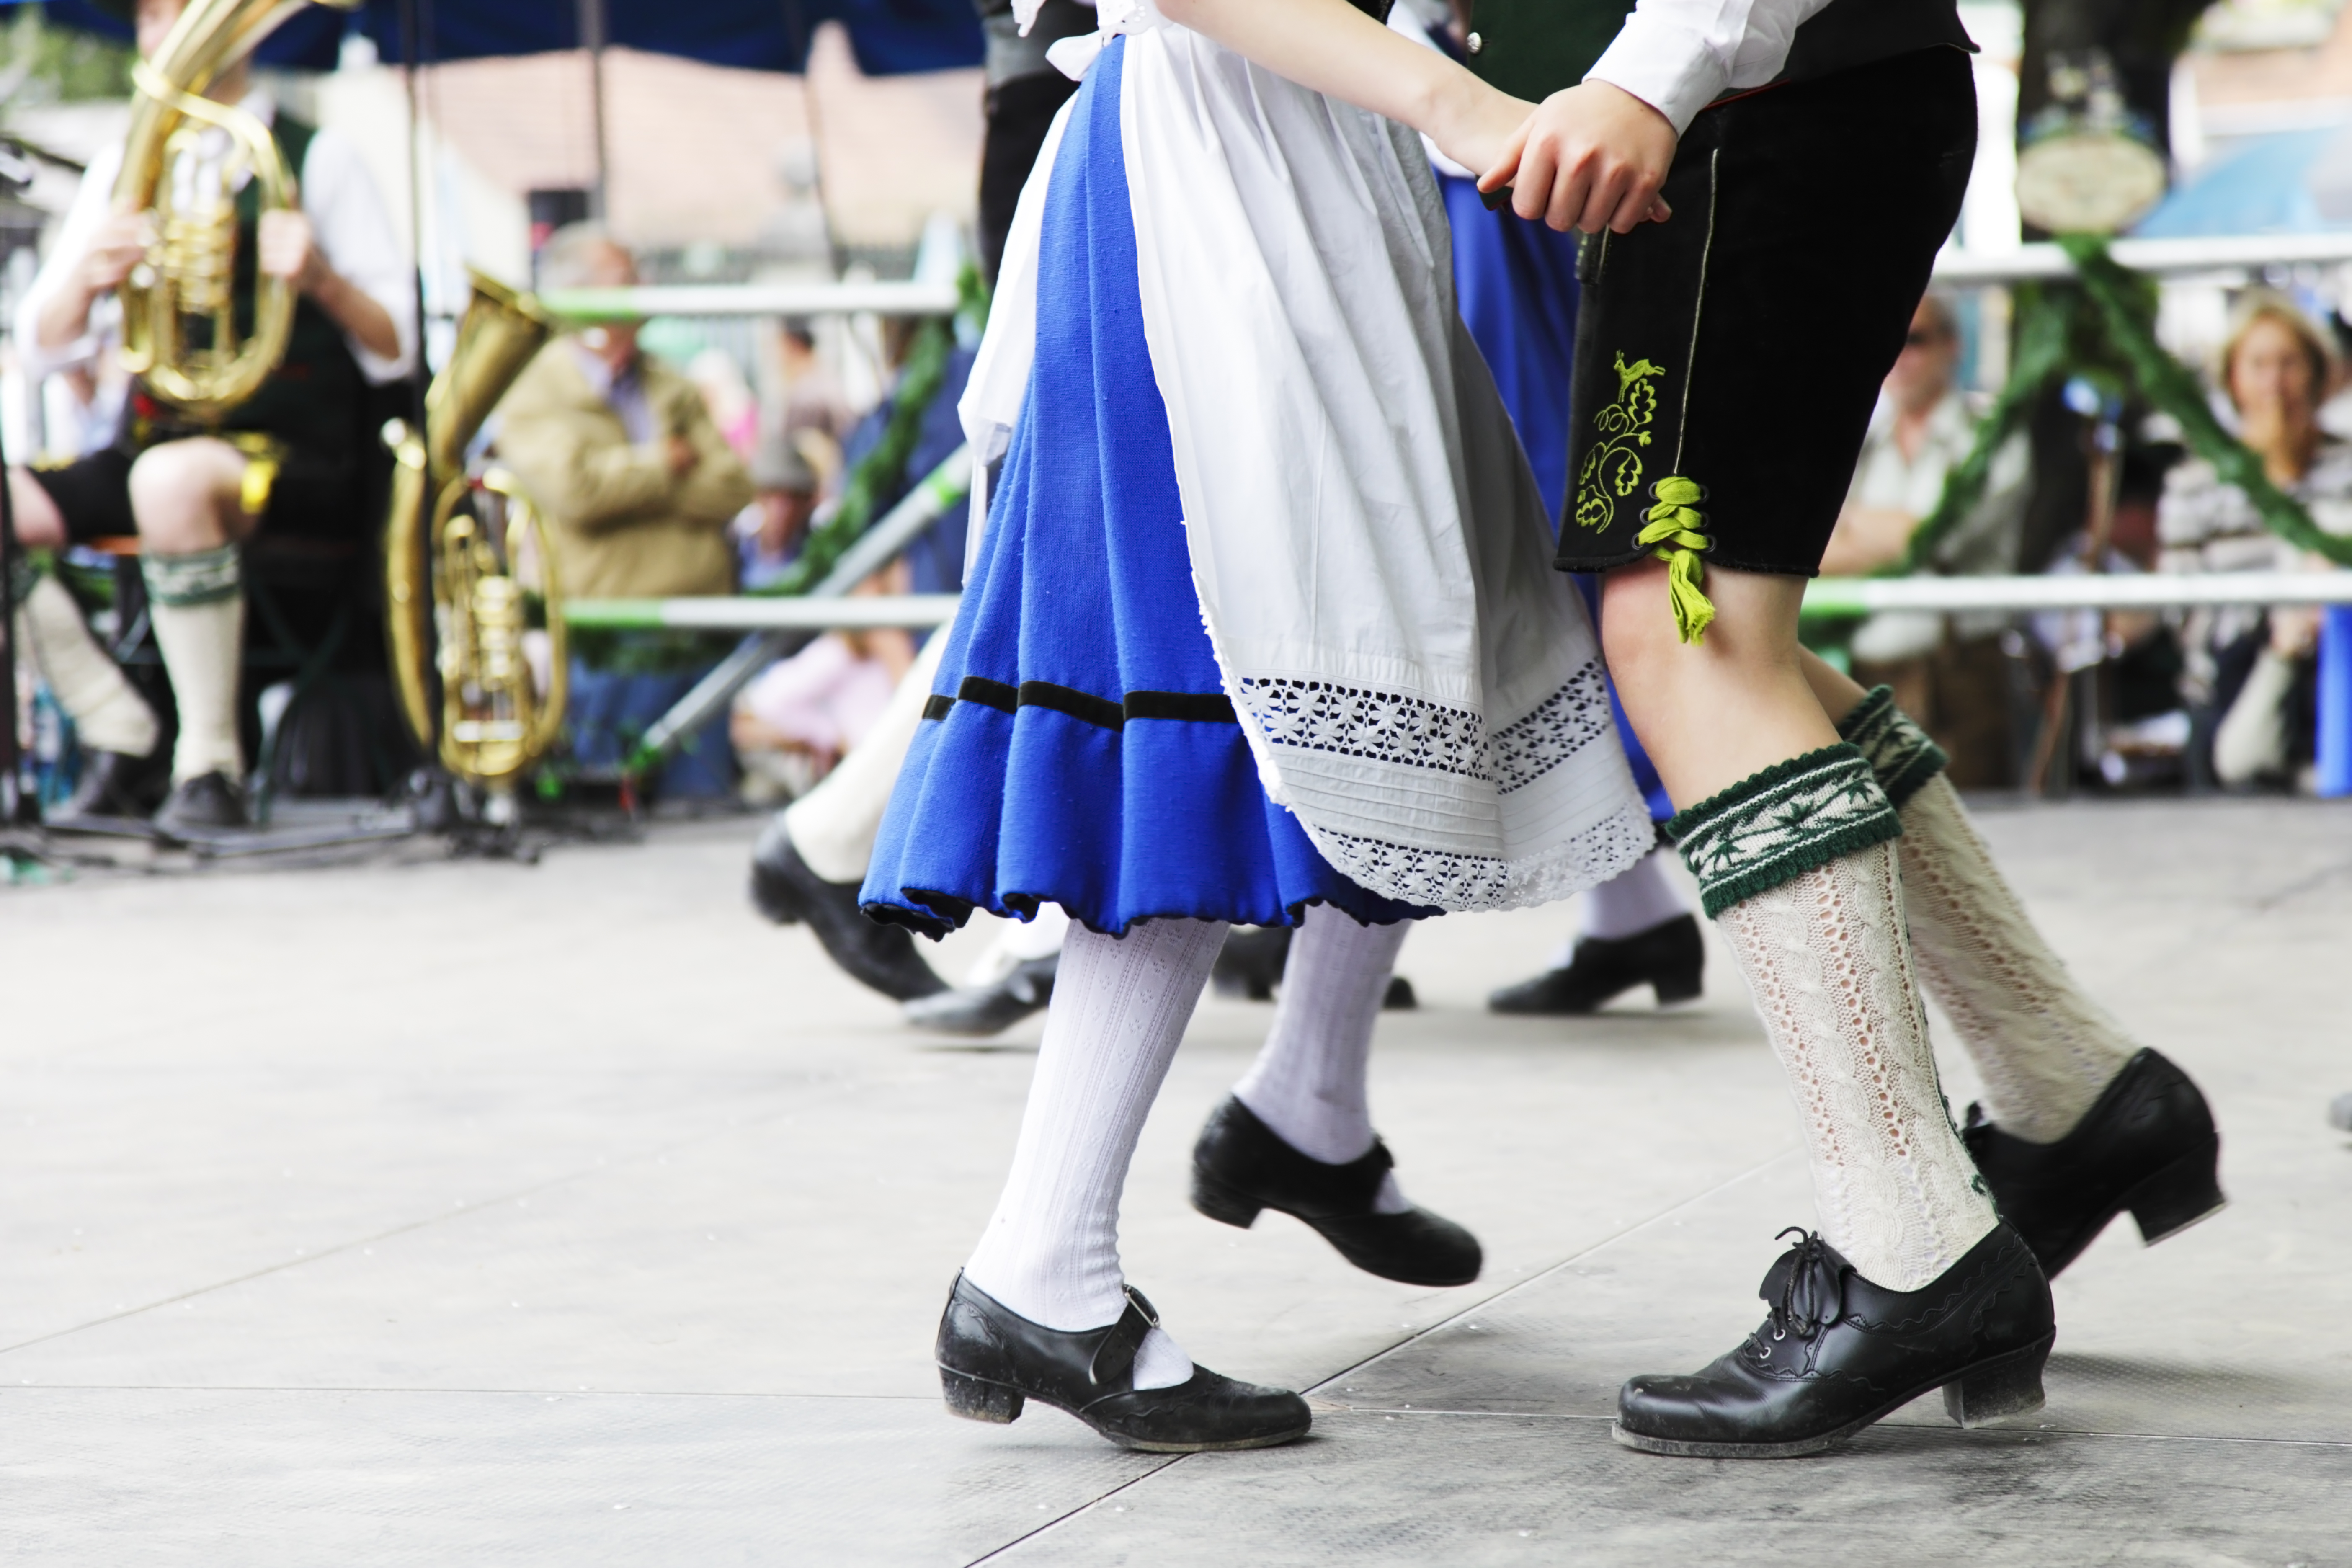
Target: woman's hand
column 1590, row 157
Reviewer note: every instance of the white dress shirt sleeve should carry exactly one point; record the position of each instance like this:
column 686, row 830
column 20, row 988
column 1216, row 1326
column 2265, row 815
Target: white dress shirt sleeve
column 1679, row 56
column 354, row 231
column 90, row 205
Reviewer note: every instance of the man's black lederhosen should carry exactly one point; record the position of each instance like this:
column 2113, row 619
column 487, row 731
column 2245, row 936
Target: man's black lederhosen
column 313, row 408
column 1740, row 344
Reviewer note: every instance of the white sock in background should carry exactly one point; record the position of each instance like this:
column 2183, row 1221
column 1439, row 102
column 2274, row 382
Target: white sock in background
column 1051, row 1251
column 198, row 601
column 1308, row 1083
column 1641, row 897
column 108, row 715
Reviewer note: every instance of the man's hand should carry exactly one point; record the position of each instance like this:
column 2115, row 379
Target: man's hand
column 119, row 245
column 679, row 452
column 287, row 248
column 1590, row 157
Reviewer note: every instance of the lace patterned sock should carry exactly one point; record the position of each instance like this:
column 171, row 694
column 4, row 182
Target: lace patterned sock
column 1051, row 1251
column 1798, row 867
column 1308, row 1083
column 2045, row 1049
column 198, row 605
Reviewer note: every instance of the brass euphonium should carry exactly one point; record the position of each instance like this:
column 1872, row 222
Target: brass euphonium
column 185, row 160
column 449, row 559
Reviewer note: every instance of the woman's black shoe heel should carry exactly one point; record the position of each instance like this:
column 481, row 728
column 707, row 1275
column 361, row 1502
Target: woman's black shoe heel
column 1225, row 1205
column 1837, row 1352
column 977, row 1401
column 2178, row 1197
column 2146, row 1144
column 1670, row 959
column 992, row 1361
column 1240, row 1168
column 1998, row 1389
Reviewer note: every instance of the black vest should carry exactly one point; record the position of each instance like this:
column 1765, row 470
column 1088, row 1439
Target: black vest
column 1532, row 48
column 316, row 399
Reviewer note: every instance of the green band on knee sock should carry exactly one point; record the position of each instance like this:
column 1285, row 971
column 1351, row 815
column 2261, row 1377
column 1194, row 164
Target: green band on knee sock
column 205, row 577
column 1900, row 752
column 1780, row 824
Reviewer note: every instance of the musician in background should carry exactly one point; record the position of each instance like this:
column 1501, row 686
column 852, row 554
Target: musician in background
column 290, row 459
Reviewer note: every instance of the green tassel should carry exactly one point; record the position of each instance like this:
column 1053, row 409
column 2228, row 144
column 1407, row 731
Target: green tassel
column 1673, row 529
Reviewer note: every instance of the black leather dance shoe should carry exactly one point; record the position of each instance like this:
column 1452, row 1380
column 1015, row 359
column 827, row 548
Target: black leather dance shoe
column 983, row 1010
column 1240, row 1166
column 1836, row 1353
column 992, row 1360
column 1670, row 959
column 786, row 889
column 207, row 803
column 2147, row 1145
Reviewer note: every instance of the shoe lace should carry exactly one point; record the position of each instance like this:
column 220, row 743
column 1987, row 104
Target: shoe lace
column 1805, row 1288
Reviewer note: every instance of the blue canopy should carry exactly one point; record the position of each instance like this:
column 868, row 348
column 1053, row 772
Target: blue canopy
column 890, row 38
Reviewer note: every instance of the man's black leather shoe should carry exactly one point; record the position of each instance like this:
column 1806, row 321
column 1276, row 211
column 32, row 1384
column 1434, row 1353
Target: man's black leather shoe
column 983, row 1010
column 992, row 1360
column 1836, row 1353
column 1670, row 959
column 786, row 890
column 1240, row 1167
column 2147, row 1145
column 114, row 786
column 206, row 804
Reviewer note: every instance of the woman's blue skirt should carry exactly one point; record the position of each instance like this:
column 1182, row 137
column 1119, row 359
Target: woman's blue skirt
column 1079, row 748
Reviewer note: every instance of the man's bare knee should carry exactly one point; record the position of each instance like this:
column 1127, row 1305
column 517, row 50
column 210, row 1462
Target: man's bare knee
column 184, row 495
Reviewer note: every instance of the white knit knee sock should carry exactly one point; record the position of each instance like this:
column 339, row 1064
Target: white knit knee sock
column 2045, row 1049
column 1825, row 954
column 1051, row 1251
column 1308, row 1082
column 108, row 715
column 1640, row 897
column 198, row 603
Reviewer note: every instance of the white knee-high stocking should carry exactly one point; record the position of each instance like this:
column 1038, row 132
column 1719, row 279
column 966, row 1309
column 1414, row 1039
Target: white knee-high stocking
column 108, row 714
column 1051, row 1249
column 1308, row 1082
column 1641, row 898
column 2046, row 1050
column 1825, row 954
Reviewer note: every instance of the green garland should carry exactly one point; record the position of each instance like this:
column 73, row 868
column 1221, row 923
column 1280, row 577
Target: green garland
column 2104, row 320
column 883, row 471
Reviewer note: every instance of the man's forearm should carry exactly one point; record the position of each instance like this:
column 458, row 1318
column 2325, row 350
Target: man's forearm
column 64, row 316
column 356, row 312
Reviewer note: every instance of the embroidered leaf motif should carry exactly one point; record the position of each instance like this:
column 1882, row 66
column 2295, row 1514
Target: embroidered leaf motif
column 1613, row 467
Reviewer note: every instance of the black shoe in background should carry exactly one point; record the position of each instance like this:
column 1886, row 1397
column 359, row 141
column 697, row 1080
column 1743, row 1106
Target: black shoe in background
column 113, row 784
column 788, row 892
column 1670, row 959
column 983, row 1010
column 206, row 805
column 1241, row 1166
column 1837, row 1352
column 2146, row 1144
column 991, row 1361
column 1249, row 966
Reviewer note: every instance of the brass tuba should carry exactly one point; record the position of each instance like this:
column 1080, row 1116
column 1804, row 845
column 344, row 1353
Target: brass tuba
column 184, row 161
column 493, row 723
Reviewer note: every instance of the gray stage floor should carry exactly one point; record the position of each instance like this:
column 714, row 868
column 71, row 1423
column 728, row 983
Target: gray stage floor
column 469, row 1213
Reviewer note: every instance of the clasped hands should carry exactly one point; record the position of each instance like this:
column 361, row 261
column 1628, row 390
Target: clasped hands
column 1589, row 157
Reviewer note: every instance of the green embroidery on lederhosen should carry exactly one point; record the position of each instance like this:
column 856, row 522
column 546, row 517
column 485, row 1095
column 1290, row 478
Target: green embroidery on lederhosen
column 1613, row 468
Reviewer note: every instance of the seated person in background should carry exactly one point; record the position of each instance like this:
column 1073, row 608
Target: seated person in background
column 290, row 460
column 771, row 533
column 797, row 717
column 2250, row 677
column 620, row 451
column 1947, row 671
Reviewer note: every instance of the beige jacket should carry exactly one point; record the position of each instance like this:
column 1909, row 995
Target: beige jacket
column 625, row 527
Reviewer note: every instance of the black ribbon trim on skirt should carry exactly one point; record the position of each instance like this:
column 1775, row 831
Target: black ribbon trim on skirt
column 1101, row 712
